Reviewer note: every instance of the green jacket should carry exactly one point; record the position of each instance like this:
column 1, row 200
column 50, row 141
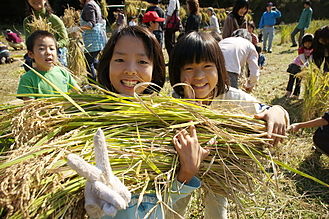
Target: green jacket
column 56, row 24
column 31, row 83
column 305, row 18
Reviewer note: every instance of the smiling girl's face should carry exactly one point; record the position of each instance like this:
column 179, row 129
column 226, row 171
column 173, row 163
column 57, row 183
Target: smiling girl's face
column 130, row 65
column 202, row 77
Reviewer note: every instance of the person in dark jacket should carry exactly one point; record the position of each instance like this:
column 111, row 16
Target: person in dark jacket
column 321, row 48
column 193, row 20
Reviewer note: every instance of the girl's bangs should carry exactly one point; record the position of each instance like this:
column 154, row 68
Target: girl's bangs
column 196, row 51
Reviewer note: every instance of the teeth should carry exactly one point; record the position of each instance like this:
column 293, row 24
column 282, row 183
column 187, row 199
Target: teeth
column 199, row 85
column 129, row 83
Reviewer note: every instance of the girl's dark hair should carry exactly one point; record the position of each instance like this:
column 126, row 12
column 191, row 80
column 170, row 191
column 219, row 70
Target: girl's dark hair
column 30, row 10
column 307, row 38
column 238, row 5
column 318, row 48
column 153, row 52
column 193, row 6
column 35, row 35
column 196, row 47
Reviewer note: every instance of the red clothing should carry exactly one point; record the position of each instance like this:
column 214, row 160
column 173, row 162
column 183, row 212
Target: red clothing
column 13, row 38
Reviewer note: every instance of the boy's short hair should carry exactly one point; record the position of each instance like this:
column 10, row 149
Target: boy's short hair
column 307, row 3
column 242, row 33
column 35, row 35
column 196, row 47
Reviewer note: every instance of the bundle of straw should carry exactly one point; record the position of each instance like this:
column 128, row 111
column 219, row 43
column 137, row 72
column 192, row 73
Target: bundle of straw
column 316, row 94
column 39, row 23
column 76, row 58
column 37, row 183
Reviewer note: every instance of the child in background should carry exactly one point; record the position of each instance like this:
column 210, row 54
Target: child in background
column 261, row 57
column 152, row 20
column 132, row 56
column 302, row 60
column 321, row 135
column 133, row 21
column 42, row 49
column 197, row 60
column 14, row 40
column 4, row 54
column 251, row 28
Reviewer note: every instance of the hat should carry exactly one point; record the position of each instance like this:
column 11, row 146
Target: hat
column 269, row 4
column 152, row 16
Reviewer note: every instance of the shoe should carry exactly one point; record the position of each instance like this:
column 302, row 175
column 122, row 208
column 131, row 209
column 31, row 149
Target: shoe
column 293, row 45
column 269, row 51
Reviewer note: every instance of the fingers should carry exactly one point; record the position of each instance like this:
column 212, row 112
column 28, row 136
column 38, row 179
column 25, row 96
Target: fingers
column 84, row 169
column 107, row 194
column 101, row 155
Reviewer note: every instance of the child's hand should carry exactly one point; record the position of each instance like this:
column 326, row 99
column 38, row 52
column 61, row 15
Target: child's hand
column 190, row 153
column 276, row 121
column 293, row 127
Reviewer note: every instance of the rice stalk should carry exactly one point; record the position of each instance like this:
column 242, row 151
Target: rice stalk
column 37, row 182
column 39, row 23
column 76, row 58
column 316, row 95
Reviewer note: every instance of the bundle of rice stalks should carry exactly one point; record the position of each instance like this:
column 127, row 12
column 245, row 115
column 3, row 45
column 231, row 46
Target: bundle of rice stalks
column 103, row 5
column 131, row 10
column 285, row 33
column 37, row 183
column 39, row 23
column 76, row 58
column 316, row 94
column 71, row 17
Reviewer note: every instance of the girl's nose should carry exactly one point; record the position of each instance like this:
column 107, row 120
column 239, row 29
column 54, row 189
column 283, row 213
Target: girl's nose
column 198, row 73
column 130, row 68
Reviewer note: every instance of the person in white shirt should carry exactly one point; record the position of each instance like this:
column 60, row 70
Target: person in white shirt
column 132, row 22
column 173, row 7
column 213, row 23
column 239, row 51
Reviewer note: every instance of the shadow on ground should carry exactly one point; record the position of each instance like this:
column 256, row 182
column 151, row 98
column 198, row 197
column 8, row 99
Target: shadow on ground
column 293, row 106
column 289, row 51
column 314, row 166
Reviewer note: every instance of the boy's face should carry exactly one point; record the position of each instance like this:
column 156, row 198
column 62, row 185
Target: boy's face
column 202, row 77
column 154, row 25
column 44, row 53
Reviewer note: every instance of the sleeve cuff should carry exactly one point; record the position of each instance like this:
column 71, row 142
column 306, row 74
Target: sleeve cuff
column 186, row 188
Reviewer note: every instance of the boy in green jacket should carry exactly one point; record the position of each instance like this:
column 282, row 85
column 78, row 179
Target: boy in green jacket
column 303, row 23
column 42, row 49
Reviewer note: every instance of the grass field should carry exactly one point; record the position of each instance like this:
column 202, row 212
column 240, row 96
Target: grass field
column 290, row 195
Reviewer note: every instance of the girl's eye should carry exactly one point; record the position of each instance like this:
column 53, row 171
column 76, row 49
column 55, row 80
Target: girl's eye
column 188, row 68
column 118, row 60
column 208, row 66
column 143, row 62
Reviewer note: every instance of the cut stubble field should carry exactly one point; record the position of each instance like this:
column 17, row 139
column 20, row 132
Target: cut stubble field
column 288, row 195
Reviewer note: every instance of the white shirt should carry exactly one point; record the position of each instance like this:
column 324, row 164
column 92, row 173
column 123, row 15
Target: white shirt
column 172, row 6
column 240, row 100
column 214, row 26
column 237, row 53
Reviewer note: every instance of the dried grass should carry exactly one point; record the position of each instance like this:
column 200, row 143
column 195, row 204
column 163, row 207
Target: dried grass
column 139, row 141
